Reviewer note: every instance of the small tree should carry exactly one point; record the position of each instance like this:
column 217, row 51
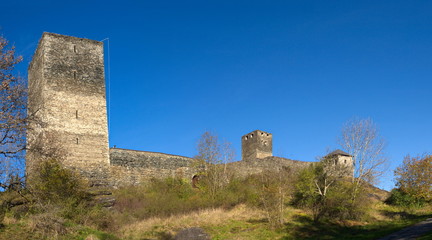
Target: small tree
column 274, row 187
column 414, row 177
column 322, row 188
column 214, row 156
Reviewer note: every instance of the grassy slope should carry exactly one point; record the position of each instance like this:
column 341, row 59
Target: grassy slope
column 22, row 229
column 245, row 223
column 240, row 222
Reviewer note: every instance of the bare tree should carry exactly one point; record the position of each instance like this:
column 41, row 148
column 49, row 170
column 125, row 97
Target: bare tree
column 13, row 118
column 214, row 156
column 360, row 138
column 274, row 188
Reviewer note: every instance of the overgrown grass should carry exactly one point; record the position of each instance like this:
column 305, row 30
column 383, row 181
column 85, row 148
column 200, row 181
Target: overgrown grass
column 384, row 221
column 173, row 196
column 158, row 209
column 22, row 230
column 244, row 222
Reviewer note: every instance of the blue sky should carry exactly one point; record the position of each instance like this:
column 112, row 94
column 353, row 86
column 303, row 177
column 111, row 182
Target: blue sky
column 297, row 69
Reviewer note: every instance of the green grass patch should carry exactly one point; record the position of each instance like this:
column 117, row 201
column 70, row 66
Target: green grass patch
column 252, row 229
column 303, row 227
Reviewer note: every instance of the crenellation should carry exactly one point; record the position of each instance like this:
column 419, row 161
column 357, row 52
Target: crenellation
column 257, row 144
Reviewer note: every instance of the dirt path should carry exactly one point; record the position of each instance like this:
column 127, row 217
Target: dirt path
column 413, row 232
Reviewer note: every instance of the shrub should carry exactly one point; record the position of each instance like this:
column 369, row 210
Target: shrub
column 158, row 198
column 403, row 199
column 170, row 196
column 335, row 202
column 54, row 183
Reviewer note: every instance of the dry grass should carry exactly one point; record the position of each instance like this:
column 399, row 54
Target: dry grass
column 207, row 217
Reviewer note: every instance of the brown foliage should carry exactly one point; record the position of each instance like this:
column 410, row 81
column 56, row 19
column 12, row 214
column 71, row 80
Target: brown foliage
column 13, row 119
column 415, row 177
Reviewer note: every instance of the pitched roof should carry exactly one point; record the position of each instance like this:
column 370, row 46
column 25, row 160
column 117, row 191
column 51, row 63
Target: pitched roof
column 339, row 152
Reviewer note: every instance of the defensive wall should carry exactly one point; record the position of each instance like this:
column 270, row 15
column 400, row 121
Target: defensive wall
column 130, row 167
column 67, row 96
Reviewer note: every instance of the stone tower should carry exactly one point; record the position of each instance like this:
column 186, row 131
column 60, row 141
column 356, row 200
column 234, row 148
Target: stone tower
column 257, row 144
column 67, row 96
column 344, row 160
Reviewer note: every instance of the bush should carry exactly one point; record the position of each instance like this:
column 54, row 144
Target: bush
column 335, row 203
column 403, row 199
column 54, row 183
column 157, row 198
column 170, row 196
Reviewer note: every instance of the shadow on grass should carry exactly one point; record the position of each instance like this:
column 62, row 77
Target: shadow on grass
column 303, row 227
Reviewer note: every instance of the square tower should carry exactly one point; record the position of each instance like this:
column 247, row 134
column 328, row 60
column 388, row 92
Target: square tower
column 67, row 96
column 257, row 144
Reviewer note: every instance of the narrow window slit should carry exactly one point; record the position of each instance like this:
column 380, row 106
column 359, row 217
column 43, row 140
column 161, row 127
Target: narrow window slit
column 76, row 114
column 77, row 142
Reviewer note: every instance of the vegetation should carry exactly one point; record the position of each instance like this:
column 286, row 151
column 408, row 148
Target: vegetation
column 360, row 137
column 213, row 156
column 327, row 192
column 13, row 118
column 257, row 207
column 414, row 177
column 319, row 202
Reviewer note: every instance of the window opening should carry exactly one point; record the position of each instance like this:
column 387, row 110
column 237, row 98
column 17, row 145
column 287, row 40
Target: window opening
column 76, row 114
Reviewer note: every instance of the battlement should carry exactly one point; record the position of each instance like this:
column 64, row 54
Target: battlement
column 257, row 144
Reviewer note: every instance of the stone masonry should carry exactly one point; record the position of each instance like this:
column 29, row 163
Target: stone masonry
column 257, row 144
column 131, row 167
column 67, row 94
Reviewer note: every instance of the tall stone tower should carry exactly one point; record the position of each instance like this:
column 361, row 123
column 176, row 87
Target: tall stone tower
column 67, row 96
column 257, row 144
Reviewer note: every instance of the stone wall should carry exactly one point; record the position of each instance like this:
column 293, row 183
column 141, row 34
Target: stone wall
column 67, row 93
column 258, row 165
column 67, row 100
column 130, row 167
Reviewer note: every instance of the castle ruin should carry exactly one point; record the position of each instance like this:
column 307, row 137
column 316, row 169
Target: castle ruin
column 67, row 95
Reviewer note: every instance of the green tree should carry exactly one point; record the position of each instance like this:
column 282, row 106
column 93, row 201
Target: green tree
column 324, row 189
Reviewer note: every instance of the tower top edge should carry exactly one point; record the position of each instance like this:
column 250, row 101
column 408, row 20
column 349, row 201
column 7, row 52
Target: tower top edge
column 257, row 131
column 66, row 37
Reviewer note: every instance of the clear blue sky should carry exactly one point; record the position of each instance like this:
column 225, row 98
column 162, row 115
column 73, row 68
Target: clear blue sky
column 297, row 69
